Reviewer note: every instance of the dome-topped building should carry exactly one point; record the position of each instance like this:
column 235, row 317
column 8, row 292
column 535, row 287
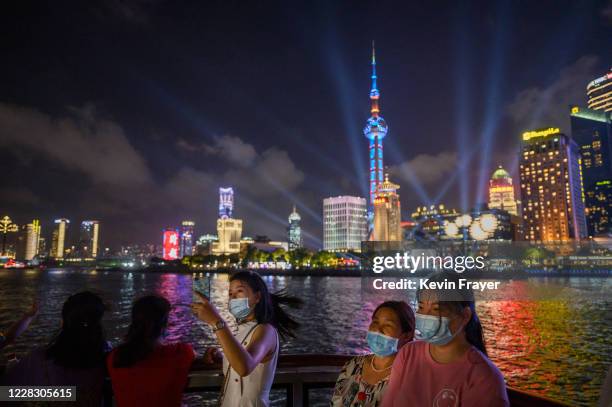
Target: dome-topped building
column 500, row 173
column 501, row 192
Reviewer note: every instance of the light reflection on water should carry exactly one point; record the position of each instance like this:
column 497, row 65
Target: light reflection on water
column 559, row 348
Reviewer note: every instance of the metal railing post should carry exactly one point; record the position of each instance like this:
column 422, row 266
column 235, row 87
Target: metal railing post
column 297, row 390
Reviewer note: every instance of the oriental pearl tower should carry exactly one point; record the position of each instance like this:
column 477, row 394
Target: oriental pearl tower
column 375, row 130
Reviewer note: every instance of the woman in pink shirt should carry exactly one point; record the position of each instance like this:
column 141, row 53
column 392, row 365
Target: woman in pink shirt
column 448, row 365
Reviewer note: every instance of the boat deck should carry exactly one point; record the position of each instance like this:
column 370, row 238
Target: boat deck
column 299, row 374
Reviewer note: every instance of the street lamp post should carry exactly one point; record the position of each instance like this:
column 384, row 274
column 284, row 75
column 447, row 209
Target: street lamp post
column 6, row 226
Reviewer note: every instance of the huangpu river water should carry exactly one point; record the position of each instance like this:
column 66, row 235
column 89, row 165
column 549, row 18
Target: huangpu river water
column 560, row 348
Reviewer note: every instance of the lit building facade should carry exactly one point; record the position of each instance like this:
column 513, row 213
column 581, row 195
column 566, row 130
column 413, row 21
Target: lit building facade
column 599, row 208
column 430, row 221
column 141, row 252
column 592, row 131
column 501, row 192
column 187, row 229
column 59, row 238
column 32, row 239
column 345, row 223
column 226, row 202
column 375, row 131
column 294, row 231
column 551, row 187
column 42, row 247
column 408, row 229
column 170, row 244
column 480, row 224
column 229, row 232
column 204, row 244
column 599, row 93
column 89, row 239
column 266, row 245
column 387, row 213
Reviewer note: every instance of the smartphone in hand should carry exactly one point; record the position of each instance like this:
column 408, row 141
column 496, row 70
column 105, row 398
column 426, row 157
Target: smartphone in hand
column 201, row 284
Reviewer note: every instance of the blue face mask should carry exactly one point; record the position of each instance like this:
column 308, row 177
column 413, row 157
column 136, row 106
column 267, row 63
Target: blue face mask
column 433, row 329
column 381, row 345
column 239, row 308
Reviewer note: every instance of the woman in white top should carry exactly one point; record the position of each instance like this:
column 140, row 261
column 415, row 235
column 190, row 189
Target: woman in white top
column 249, row 355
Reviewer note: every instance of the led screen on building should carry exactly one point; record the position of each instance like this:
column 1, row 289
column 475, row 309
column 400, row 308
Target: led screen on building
column 171, row 244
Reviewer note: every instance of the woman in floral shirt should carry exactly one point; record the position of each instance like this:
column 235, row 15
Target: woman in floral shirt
column 363, row 379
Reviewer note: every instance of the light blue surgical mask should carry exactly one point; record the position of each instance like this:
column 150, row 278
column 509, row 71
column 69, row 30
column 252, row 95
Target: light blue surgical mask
column 433, row 329
column 239, row 308
column 381, row 345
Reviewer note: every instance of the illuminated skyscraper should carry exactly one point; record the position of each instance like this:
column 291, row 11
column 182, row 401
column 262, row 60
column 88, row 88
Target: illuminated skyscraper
column 229, row 232
column 387, row 213
column 599, row 93
column 501, row 192
column 59, row 238
column 592, row 131
column 294, row 230
column 32, row 238
column 187, row 228
column 226, row 202
column 345, row 223
column 170, row 244
column 551, row 187
column 42, row 246
column 599, row 209
column 375, row 130
column 89, row 239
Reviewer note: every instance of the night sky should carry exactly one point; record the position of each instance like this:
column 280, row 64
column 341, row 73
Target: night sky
column 135, row 112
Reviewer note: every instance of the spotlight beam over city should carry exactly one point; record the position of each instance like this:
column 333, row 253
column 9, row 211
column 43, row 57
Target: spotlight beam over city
column 349, row 112
column 494, row 86
column 462, row 102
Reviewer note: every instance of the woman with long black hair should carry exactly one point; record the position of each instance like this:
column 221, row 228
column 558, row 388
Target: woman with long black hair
column 74, row 357
column 144, row 370
column 249, row 355
column 448, row 364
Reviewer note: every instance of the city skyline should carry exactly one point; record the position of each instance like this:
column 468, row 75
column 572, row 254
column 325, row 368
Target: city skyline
column 275, row 139
column 226, row 198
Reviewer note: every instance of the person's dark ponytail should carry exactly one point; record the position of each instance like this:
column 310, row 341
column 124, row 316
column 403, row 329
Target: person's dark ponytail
column 285, row 324
column 473, row 330
column 270, row 308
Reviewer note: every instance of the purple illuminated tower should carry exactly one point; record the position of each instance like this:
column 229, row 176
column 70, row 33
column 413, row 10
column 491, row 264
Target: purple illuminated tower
column 375, row 130
column 226, row 202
